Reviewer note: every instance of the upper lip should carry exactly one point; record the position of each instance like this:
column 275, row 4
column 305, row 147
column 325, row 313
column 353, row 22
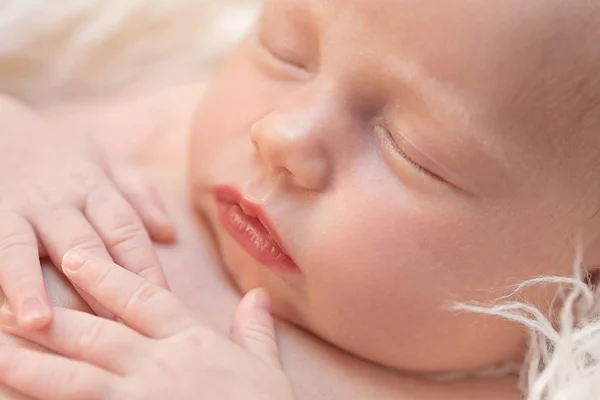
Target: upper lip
column 231, row 195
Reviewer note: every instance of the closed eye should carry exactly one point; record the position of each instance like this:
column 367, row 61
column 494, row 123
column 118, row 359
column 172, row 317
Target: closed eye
column 393, row 147
column 284, row 56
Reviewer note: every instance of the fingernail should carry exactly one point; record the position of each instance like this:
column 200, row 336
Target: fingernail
column 72, row 261
column 261, row 299
column 7, row 318
column 164, row 228
column 32, row 310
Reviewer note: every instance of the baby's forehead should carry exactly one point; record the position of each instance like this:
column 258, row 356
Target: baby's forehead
column 449, row 37
column 510, row 57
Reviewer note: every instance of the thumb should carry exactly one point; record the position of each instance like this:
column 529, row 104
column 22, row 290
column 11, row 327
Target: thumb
column 253, row 327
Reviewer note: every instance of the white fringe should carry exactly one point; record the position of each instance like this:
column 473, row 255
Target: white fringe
column 563, row 362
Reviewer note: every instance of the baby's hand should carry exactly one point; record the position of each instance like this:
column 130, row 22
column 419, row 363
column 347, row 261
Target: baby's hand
column 55, row 196
column 161, row 353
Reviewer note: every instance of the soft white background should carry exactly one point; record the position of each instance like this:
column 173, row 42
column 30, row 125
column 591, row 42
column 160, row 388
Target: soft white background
column 52, row 50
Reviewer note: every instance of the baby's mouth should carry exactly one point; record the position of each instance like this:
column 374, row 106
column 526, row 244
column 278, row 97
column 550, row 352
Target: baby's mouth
column 247, row 223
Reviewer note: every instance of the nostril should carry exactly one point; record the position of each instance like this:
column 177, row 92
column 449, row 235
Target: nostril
column 255, row 144
column 281, row 171
column 255, row 135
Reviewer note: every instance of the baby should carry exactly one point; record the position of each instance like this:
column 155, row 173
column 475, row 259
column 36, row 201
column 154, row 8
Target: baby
column 372, row 163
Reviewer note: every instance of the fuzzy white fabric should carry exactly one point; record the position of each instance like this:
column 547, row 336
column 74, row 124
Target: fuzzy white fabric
column 61, row 49
column 54, row 50
column 564, row 355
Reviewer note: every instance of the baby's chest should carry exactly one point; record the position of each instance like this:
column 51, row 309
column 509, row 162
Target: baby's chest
column 193, row 269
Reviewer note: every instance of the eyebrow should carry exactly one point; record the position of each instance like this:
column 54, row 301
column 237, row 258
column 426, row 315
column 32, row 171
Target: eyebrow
column 438, row 98
column 302, row 10
column 303, row 5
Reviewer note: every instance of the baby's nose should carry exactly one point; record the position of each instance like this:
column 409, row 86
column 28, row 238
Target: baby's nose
column 293, row 147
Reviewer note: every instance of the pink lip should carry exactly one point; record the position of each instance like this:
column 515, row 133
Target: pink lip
column 248, row 224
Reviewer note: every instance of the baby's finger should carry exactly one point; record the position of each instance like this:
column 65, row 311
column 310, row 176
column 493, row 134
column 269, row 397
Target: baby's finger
column 8, row 393
column 67, row 228
column 253, row 327
column 82, row 336
column 51, row 377
column 150, row 310
column 124, row 234
column 61, row 230
column 145, row 200
column 20, row 272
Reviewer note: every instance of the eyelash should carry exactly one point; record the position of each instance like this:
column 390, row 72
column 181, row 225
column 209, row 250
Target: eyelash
column 392, row 143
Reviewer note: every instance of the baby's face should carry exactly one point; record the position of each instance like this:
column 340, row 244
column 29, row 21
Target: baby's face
column 408, row 155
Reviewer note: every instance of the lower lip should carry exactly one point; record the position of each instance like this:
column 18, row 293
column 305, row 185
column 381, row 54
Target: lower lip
column 252, row 235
